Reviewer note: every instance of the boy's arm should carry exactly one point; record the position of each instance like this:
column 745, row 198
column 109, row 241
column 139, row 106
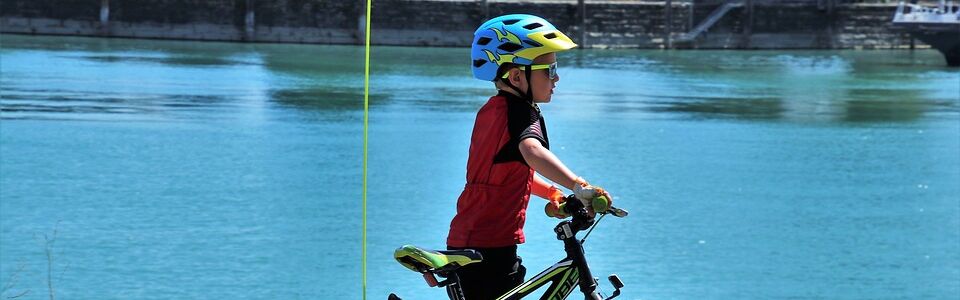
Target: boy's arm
column 545, row 190
column 544, row 162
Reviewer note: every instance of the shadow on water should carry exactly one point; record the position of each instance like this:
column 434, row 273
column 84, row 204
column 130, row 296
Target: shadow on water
column 310, row 61
column 420, row 61
column 75, row 109
column 115, row 50
column 63, row 104
column 882, row 111
column 181, row 60
column 324, row 98
column 875, row 105
column 744, row 109
column 868, row 106
column 59, row 96
column 439, row 99
column 317, row 77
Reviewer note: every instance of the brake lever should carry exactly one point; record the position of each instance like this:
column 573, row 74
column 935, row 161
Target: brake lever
column 616, row 212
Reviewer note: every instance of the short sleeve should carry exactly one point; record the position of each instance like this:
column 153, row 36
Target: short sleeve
column 523, row 121
column 535, row 131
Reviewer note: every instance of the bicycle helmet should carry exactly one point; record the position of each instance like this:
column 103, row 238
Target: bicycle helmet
column 517, row 39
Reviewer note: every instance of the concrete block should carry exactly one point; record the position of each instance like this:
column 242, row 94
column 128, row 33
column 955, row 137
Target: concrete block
column 611, row 24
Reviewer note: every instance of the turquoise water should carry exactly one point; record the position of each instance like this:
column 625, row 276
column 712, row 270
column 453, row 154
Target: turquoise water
column 748, row 174
column 214, row 170
column 180, row 170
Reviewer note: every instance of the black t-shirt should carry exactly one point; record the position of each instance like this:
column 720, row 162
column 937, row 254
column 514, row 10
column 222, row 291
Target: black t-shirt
column 523, row 121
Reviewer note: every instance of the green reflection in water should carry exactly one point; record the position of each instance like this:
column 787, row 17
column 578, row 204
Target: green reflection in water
column 728, row 108
column 52, row 77
column 323, row 98
column 183, row 60
column 883, row 111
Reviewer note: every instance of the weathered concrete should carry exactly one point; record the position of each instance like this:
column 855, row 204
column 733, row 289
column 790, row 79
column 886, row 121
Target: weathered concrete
column 195, row 31
column 759, row 24
column 786, row 26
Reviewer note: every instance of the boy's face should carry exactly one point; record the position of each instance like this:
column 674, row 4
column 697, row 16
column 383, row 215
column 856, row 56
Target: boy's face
column 540, row 80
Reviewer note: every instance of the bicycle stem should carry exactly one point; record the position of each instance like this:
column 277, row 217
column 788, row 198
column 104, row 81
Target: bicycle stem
column 567, row 232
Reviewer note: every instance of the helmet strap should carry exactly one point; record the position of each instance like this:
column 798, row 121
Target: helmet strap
column 528, row 96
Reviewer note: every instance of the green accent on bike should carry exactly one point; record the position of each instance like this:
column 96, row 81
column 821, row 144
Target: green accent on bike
column 527, row 287
column 562, row 280
column 423, row 260
column 549, row 277
column 573, row 275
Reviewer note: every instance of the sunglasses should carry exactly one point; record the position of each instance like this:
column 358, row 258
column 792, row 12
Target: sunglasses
column 551, row 73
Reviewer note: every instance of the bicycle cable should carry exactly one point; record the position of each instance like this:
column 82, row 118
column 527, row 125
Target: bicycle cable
column 591, row 228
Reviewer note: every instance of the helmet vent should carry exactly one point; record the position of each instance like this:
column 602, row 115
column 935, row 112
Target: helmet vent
column 532, row 43
column 550, row 35
column 483, row 41
column 511, row 21
column 509, row 47
column 478, row 62
column 531, row 26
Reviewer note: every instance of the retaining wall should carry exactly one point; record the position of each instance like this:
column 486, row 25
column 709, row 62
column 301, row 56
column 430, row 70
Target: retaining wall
column 616, row 24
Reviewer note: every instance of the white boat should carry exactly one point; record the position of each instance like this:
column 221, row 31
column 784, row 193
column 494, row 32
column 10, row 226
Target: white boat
column 937, row 26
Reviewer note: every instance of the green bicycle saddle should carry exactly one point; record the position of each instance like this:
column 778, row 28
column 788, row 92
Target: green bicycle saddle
column 423, row 260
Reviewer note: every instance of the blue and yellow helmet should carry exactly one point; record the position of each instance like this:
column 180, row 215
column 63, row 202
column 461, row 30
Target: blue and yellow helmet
column 514, row 39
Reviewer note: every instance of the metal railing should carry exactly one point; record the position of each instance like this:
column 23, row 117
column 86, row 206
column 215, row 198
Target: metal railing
column 712, row 19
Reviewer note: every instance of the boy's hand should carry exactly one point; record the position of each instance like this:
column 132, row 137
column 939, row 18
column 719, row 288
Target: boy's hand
column 556, row 195
column 555, row 201
column 590, row 196
column 554, row 209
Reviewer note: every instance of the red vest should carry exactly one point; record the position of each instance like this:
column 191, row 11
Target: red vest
column 492, row 208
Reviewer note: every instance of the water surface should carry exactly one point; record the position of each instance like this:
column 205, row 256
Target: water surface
column 179, row 169
column 749, row 174
column 219, row 170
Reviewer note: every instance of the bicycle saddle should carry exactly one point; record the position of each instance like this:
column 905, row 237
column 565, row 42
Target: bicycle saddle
column 424, row 260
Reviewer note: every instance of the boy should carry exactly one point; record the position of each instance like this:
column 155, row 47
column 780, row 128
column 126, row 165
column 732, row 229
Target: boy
column 509, row 142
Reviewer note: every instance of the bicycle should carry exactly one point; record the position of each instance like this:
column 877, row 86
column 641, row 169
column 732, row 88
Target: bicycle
column 563, row 276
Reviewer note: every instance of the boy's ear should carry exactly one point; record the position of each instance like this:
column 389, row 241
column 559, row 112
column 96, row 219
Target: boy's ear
column 515, row 76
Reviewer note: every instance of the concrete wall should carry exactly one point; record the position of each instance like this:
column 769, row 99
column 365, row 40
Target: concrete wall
column 297, row 21
column 634, row 25
column 77, row 10
column 802, row 26
column 617, row 24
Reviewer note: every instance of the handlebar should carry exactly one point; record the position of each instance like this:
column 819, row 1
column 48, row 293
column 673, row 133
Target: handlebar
column 574, row 207
column 581, row 218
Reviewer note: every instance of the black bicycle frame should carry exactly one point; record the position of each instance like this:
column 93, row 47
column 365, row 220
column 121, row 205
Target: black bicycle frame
column 562, row 276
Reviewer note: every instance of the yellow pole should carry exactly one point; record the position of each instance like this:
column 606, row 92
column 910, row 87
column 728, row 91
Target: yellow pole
column 366, row 117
